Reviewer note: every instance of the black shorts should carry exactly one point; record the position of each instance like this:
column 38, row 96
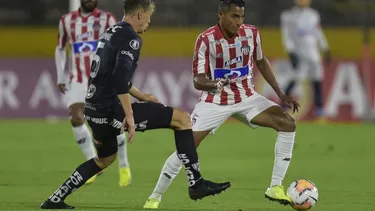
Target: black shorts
column 106, row 126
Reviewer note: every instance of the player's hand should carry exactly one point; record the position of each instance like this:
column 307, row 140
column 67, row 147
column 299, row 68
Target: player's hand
column 289, row 102
column 128, row 124
column 221, row 83
column 151, row 98
column 62, row 88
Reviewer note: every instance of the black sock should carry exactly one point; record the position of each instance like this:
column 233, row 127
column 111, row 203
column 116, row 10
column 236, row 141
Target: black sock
column 188, row 155
column 84, row 172
column 318, row 98
column 290, row 87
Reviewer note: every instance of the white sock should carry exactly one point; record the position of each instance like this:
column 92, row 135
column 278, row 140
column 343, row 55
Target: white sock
column 122, row 153
column 171, row 168
column 83, row 137
column 283, row 155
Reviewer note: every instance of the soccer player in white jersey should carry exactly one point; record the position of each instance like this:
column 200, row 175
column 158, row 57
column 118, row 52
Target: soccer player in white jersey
column 223, row 64
column 80, row 30
column 303, row 39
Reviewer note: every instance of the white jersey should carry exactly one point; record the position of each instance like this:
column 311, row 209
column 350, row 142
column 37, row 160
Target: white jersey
column 233, row 59
column 301, row 32
column 81, row 33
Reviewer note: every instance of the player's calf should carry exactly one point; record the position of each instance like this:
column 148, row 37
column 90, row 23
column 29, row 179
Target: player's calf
column 186, row 152
column 81, row 132
column 79, row 177
column 274, row 117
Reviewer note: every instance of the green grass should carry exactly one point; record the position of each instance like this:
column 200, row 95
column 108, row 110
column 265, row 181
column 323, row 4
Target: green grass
column 37, row 156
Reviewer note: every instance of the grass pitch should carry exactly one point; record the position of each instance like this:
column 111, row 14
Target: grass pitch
column 36, row 157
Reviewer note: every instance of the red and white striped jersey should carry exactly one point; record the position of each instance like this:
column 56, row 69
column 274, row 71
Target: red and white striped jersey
column 233, row 58
column 82, row 33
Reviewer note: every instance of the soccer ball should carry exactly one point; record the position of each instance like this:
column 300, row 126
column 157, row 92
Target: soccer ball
column 303, row 193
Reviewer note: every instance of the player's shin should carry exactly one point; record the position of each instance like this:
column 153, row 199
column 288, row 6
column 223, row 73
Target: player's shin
column 188, row 155
column 170, row 170
column 122, row 152
column 83, row 172
column 283, row 155
column 83, row 137
column 318, row 98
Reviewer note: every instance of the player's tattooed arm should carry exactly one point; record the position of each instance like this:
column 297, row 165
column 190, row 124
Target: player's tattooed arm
column 266, row 70
column 203, row 83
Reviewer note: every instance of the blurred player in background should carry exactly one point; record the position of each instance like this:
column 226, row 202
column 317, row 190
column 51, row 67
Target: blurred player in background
column 81, row 29
column 302, row 37
column 109, row 110
column 223, row 63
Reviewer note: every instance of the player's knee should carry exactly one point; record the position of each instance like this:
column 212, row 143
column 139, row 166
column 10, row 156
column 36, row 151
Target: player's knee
column 286, row 124
column 77, row 119
column 107, row 161
column 180, row 120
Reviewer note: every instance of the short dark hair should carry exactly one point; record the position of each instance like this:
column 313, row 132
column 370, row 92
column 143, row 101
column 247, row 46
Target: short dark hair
column 227, row 3
column 132, row 5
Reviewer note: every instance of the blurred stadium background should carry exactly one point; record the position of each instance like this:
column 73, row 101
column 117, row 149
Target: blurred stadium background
column 338, row 157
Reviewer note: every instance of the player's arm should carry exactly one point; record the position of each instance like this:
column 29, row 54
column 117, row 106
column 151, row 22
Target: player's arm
column 266, row 70
column 287, row 39
column 286, row 35
column 60, row 55
column 123, row 73
column 323, row 41
column 201, row 67
column 136, row 93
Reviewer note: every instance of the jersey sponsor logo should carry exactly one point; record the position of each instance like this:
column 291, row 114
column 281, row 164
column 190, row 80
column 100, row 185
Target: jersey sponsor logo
column 232, row 74
column 233, row 61
column 84, row 35
column 128, row 53
column 245, row 38
column 134, row 44
column 85, row 47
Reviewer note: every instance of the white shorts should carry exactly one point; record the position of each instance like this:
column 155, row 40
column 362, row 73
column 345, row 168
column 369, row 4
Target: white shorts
column 210, row 116
column 310, row 69
column 76, row 92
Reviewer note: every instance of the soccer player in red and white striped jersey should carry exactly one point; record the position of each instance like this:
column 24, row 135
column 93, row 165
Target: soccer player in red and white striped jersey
column 224, row 59
column 80, row 30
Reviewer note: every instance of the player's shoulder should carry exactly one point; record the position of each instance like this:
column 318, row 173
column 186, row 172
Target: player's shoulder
column 285, row 14
column 313, row 11
column 249, row 26
column 123, row 33
column 245, row 27
column 68, row 15
column 208, row 32
column 105, row 13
